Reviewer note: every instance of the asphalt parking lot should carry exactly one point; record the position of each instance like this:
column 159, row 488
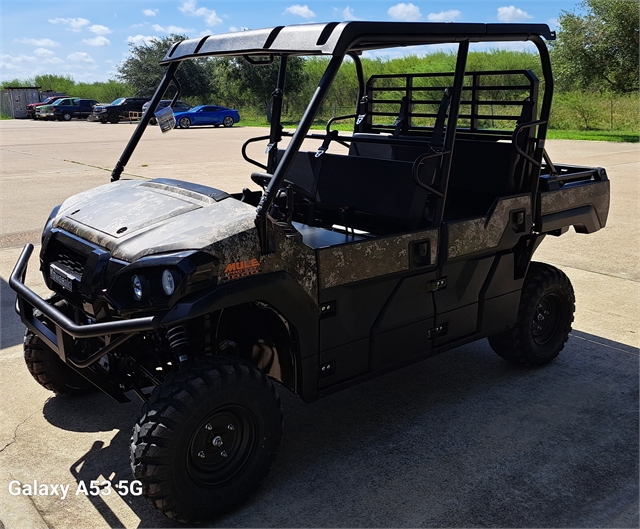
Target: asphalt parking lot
column 460, row 440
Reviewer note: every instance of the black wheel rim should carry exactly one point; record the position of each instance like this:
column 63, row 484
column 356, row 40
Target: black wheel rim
column 221, row 445
column 546, row 319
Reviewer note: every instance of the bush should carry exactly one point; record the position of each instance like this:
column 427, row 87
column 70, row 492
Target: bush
column 595, row 111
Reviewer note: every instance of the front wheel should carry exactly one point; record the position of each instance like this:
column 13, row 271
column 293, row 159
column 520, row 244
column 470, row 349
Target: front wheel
column 66, row 116
column 206, row 439
column 49, row 371
column 114, row 118
column 544, row 318
column 228, row 121
column 184, row 123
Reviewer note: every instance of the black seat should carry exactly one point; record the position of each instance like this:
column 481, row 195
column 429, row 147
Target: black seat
column 376, row 195
column 382, row 191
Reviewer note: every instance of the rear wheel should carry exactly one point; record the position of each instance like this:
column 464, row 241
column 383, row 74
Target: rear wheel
column 228, row 121
column 206, row 439
column 184, row 123
column 544, row 318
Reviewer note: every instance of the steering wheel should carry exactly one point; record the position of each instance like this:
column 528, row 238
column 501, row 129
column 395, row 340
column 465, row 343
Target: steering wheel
column 264, row 179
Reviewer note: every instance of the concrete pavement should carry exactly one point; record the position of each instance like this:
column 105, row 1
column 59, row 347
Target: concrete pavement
column 459, row 440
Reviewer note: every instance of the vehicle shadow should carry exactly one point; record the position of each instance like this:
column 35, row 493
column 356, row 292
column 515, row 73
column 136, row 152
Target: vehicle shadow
column 11, row 330
column 463, row 439
column 110, row 461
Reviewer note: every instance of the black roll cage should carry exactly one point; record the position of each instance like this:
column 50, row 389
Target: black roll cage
column 339, row 40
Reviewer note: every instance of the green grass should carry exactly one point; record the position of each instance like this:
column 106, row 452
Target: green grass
column 552, row 134
column 594, row 135
column 4, row 116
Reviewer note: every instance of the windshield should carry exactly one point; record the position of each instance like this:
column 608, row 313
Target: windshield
column 118, row 101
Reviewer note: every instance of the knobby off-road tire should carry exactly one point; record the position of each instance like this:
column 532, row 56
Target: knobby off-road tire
column 49, row 371
column 544, row 319
column 206, row 438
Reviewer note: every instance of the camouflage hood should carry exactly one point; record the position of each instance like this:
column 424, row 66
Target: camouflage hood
column 135, row 218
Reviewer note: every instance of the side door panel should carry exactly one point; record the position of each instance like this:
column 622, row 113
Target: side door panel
column 374, row 292
column 345, row 327
column 457, row 304
column 402, row 329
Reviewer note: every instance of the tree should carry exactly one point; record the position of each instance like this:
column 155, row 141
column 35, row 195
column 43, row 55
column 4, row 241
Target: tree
column 143, row 73
column 598, row 48
column 258, row 82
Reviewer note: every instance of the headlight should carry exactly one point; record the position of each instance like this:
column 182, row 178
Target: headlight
column 168, row 283
column 136, row 285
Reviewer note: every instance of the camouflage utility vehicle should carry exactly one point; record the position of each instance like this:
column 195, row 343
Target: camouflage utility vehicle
column 411, row 235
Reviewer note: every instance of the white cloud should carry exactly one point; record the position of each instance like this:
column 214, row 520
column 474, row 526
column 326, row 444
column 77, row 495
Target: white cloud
column 43, row 52
column 189, row 7
column 80, row 56
column 405, row 12
column 141, row 40
column 512, row 14
column 19, row 59
column 444, row 16
column 171, row 29
column 346, row 13
column 74, row 24
column 150, row 12
column 40, row 42
column 301, row 11
column 53, row 60
column 97, row 41
column 234, row 29
column 553, row 23
column 99, row 29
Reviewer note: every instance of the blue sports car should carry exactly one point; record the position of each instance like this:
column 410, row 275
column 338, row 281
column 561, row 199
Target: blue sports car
column 206, row 115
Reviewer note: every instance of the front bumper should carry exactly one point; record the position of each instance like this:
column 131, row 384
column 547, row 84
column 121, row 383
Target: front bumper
column 58, row 332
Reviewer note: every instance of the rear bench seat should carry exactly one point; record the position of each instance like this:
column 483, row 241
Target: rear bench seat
column 473, row 188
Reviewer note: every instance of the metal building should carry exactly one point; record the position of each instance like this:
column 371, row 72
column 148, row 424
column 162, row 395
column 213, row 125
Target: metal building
column 14, row 100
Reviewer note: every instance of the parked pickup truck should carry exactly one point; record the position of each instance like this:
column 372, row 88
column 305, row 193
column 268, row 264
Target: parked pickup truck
column 67, row 108
column 120, row 108
column 410, row 235
column 31, row 107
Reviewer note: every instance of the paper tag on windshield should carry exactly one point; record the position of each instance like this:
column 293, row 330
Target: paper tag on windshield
column 166, row 119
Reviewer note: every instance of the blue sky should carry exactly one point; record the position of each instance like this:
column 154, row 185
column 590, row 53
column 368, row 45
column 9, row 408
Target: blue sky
column 88, row 39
